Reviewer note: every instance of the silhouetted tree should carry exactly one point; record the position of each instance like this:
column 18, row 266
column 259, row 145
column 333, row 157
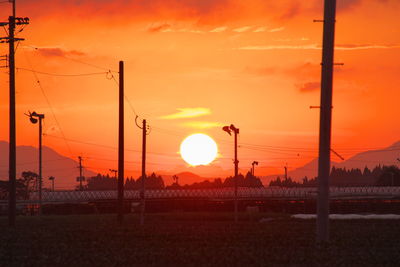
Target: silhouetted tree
column 252, row 181
column 28, row 181
column 390, row 176
column 101, row 183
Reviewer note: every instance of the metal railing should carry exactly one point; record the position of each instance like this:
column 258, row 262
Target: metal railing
column 223, row 193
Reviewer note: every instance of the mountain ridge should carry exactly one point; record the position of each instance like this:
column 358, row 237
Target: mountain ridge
column 63, row 168
column 369, row 158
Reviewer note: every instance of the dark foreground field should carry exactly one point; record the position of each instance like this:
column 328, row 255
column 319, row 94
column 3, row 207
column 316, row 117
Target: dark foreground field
column 180, row 239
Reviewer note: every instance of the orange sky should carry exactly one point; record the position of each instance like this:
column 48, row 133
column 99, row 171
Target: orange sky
column 252, row 63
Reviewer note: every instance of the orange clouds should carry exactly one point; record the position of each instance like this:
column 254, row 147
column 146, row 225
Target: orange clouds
column 310, row 87
column 58, row 52
column 186, row 53
column 188, row 113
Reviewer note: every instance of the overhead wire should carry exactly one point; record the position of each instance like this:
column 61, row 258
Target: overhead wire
column 50, row 106
column 38, row 49
column 264, row 148
column 106, row 146
column 125, row 96
column 62, row 75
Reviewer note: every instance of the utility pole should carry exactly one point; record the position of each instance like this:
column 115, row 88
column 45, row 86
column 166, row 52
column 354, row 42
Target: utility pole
column 322, row 230
column 252, row 167
column 145, row 131
column 235, row 130
column 176, row 179
column 12, row 169
column 41, row 117
column 285, row 172
column 80, row 173
column 142, row 192
column 120, row 202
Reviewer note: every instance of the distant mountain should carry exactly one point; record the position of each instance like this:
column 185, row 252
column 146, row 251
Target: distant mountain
column 195, row 174
column 64, row 169
column 184, row 178
column 370, row 159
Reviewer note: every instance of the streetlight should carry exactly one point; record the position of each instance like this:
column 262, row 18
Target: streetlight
column 34, row 118
column 252, row 165
column 235, row 130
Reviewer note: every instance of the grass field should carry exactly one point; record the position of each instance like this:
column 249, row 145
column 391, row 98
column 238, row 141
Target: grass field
column 180, row 239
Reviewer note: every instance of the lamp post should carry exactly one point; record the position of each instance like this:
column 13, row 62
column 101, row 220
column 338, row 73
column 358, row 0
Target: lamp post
column 34, row 118
column 252, row 165
column 229, row 130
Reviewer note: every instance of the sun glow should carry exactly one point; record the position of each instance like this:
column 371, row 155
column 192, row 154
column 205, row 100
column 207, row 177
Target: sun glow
column 198, row 149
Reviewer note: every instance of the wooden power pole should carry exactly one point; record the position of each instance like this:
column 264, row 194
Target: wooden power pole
column 13, row 21
column 145, row 131
column 80, row 173
column 142, row 191
column 120, row 202
column 325, row 121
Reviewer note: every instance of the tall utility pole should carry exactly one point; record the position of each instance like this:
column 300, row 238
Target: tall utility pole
column 325, row 121
column 13, row 141
column 120, row 202
column 80, row 173
column 145, row 131
column 41, row 117
column 235, row 130
column 12, row 22
column 142, row 192
column 252, row 167
column 285, row 172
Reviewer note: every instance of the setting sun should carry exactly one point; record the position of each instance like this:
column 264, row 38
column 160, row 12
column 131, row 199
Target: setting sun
column 198, row 149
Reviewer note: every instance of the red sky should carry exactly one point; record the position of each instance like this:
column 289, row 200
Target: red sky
column 252, row 63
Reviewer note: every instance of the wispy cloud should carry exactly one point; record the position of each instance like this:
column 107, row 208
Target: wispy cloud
column 58, row 52
column 364, row 46
column 309, row 87
column 260, row 29
column 317, row 47
column 242, row 29
column 219, row 29
column 202, row 124
column 159, row 27
column 276, row 47
column 277, row 29
column 187, row 113
column 168, row 28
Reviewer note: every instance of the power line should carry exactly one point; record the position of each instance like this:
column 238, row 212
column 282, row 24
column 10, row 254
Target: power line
column 126, row 98
column 38, row 49
column 105, row 146
column 34, row 162
column 51, row 107
column 63, row 75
